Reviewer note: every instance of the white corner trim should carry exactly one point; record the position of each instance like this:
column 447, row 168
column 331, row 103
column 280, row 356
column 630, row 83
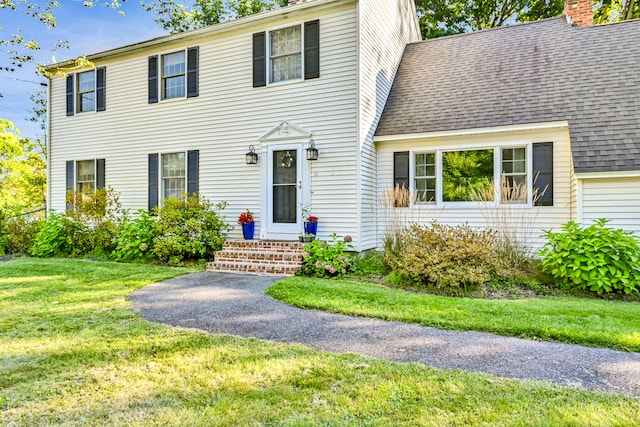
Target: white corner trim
column 579, row 201
column 605, row 175
column 473, row 131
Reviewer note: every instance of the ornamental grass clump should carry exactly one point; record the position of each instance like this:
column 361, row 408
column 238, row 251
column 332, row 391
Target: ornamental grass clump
column 322, row 259
column 450, row 259
column 594, row 258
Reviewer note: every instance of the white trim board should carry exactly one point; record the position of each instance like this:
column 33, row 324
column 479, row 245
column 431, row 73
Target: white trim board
column 474, row 131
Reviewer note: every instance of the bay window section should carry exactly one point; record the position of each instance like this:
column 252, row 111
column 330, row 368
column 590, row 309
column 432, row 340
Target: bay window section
column 173, row 175
column 173, row 75
column 514, row 175
column 467, row 176
column 285, row 54
column 425, row 177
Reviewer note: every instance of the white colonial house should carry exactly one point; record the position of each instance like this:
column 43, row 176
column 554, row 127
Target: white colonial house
column 549, row 105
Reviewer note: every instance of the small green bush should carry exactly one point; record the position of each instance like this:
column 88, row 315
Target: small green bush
column 20, row 234
column 321, row 259
column 188, row 228
column 135, row 238
column 58, row 237
column 593, row 258
column 450, row 259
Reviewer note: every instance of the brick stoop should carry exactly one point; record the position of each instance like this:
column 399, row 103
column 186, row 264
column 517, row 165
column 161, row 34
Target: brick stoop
column 268, row 257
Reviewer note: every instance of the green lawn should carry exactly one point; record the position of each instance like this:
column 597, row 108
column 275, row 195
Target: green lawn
column 573, row 320
column 73, row 353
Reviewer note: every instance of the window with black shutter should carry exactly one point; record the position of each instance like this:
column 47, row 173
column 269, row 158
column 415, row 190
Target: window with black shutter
column 192, row 72
column 70, row 95
column 192, row 172
column 153, row 181
column 153, row 79
column 259, row 60
column 287, row 54
column 401, row 177
column 543, row 173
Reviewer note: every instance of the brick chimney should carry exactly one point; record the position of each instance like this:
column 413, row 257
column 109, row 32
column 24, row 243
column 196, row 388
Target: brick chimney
column 580, row 12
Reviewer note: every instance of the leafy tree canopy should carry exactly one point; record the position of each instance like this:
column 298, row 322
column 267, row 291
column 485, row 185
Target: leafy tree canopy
column 615, row 10
column 178, row 16
column 446, row 17
column 22, row 172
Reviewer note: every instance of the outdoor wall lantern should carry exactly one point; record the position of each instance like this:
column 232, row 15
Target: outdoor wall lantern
column 312, row 151
column 252, row 156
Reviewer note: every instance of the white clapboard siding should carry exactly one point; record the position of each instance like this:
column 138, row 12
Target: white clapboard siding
column 526, row 222
column 617, row 199
column 228, row 115
column 386, row 26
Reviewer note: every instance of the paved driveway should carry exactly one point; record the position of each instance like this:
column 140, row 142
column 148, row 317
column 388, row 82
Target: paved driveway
column 236, row 304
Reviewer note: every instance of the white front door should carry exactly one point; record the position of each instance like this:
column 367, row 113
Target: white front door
column 284, row 191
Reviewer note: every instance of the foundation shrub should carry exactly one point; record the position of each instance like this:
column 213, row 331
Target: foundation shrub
column 450, row 259
column 322, row 259
column 59, row 236
column 594, row 258
column 188, row 228
column 135, row 238
column 20, row 234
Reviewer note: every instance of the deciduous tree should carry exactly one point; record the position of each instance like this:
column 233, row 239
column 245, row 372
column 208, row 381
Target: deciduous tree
column 22, row 172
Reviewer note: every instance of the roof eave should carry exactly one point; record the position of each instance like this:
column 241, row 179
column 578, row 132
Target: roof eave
column 222, row 27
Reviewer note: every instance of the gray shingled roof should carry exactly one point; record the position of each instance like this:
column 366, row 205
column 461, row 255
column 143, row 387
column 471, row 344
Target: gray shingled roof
column 530, row 73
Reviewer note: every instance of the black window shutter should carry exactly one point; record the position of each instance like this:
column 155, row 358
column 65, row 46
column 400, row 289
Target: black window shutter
column 312, row 49
column 70, row 179
column 543, row 173
column 70, row 91
column 401, row 174
column 192, row 72
column 101, row 74
column 259, row 59
column 153, row 79
column 99, row 174
column 153, row 181
column 192, row 172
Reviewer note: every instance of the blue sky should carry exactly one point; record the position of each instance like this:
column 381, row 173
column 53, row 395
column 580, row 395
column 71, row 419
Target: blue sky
column 88, row 30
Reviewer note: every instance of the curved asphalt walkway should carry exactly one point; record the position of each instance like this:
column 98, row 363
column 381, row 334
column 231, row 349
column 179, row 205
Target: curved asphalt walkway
column 236, row 304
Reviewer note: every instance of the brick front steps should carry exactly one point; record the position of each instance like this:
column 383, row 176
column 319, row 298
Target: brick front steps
column 269, row 257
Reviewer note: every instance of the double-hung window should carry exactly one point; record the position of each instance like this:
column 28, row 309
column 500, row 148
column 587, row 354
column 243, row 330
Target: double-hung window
column 85, row 176
column 173, row 178
column 173, row 75
column 171, row 175
column 285, row 54
column 514, row 175
column 86, row 91
column 425, row 177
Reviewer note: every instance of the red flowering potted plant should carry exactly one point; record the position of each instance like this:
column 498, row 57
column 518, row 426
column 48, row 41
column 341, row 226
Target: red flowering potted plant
column 248, row 226
column 311, row 225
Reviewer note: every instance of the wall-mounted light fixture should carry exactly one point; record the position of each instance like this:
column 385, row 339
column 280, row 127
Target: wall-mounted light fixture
column 312, row 151
column 252, row 156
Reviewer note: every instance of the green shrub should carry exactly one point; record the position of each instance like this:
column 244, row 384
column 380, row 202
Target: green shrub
column 321, row 259
column 448, row 258
column 58, row 237
column 594, row 258
column 189, row 228
column 135, row 238
column 20, row 234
